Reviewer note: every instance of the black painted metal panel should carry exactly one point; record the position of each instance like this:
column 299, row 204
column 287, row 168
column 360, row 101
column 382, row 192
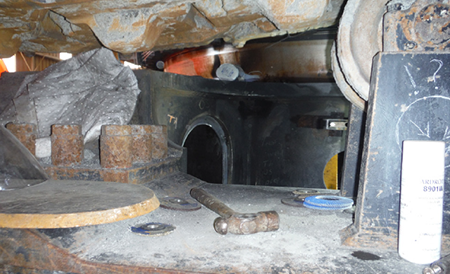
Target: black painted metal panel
column 275, row 131
column 409, row 100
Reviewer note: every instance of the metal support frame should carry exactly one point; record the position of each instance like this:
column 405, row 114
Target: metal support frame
column 409, row 100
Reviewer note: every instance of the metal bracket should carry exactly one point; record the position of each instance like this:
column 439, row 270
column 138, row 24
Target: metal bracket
column 336, row 124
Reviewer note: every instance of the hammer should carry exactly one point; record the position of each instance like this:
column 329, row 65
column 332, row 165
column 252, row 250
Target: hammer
column 234, row 222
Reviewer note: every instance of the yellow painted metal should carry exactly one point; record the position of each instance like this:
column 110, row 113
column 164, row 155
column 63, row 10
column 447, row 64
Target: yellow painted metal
column 330, row 173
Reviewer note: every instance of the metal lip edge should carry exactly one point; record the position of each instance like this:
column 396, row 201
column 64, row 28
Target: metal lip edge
column 248, row 89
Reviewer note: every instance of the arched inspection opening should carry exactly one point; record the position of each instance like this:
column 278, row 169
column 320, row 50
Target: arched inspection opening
column 207, row 151
column 204, row 157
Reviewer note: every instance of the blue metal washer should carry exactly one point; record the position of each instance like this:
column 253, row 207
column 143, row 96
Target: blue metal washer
column 328, row 202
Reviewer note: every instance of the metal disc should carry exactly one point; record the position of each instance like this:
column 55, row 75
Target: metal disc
column 153, row 229
column 345, row 88
column 176, row 203
column 359, row 39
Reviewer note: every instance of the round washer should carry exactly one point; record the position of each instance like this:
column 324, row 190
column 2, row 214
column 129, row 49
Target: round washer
column 153, row 229
column 328, row 202
column 176, row 203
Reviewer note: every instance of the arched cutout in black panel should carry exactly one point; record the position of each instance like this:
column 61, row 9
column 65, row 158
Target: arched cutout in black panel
column 205, row 155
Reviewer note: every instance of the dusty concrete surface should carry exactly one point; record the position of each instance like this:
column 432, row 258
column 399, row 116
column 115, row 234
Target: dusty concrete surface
column 132, row 26
column 306, row 242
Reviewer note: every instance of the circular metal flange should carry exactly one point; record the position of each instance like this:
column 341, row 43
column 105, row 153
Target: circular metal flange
column 153, row 229
column 359, row 40
column 176, row 203
column 345, row 88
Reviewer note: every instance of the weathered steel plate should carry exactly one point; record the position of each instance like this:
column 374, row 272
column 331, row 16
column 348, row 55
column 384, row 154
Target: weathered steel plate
column 63, row 204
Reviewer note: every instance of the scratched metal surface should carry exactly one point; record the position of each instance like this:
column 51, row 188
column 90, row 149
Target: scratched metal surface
column 307, row 241
column 410, row 100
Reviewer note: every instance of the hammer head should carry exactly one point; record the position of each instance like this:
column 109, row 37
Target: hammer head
column 248, row 223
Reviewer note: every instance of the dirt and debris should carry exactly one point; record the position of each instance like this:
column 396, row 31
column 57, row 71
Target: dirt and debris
column 306, row 242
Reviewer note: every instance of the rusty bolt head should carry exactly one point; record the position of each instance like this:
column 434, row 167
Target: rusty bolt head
column 410, row 45
column 397, row 6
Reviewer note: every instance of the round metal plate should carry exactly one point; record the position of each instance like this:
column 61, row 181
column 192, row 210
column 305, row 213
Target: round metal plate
column 345, row 88
column 359, row 39
column 176, row 203
column 153, row 229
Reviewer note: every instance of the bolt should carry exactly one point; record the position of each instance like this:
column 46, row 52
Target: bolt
column 398, row 6
column 433, row 269
column 395, row 7
column 410, row 45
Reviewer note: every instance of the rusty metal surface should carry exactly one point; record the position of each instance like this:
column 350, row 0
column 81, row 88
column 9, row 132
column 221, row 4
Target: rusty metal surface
column 160, row 143
column 26, row 134
column 142, row 143
column 139, row 173
column 132, row 26
column 116, row 146
column 345, row 88
column 290, row 58
column 368, row 27
column 72, row 203
column 424, row 26
column 67, row 145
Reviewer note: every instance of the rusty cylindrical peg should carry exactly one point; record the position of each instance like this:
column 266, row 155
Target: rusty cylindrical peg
column 26, row 134
column 67, row 145
column 142, row 143
column 116, row 145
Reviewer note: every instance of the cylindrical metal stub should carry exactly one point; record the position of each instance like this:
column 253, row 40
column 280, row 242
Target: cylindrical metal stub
column 227, row 72
column 26, row 134
column 142, row 143
column 116, row 146
column 160, row 147
column 67, row 145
